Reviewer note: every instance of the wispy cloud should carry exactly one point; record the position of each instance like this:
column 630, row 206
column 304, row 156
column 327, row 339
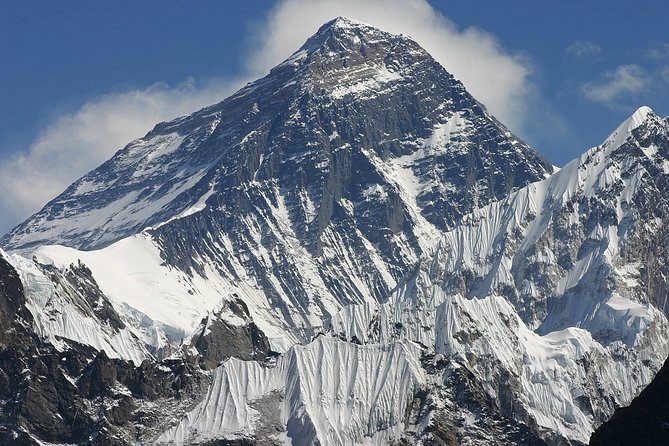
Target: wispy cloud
column 664, row 72
column 78, row 142
column 625, row 80
column 658, row 52
column 659, row 55
column 583, row 48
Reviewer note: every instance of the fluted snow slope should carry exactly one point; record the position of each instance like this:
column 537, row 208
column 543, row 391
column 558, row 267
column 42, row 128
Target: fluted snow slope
column 328, row 392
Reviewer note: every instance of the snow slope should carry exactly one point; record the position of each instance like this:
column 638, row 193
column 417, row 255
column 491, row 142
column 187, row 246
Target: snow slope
column 162, row 303
column 329, row 391
column 62, row 310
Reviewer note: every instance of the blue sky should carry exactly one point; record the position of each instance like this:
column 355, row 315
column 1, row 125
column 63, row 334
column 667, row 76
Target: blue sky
column 79, row 79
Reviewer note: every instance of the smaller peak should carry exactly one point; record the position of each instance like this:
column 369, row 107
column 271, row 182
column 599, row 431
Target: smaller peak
column 641, row 115
column 625, row 129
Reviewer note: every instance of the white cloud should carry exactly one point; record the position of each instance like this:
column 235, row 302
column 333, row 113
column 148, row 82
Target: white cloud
column 497, row 78
column 624, row 80
column 78, row 142
column 583, row 48
column 658, row 52
column 664, row 73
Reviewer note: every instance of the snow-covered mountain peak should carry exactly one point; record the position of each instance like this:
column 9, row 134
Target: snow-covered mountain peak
column 625, row 129
column 343, row 22
column 352, row 91
column 631, row 150
column 344, row 28
column 346, row 57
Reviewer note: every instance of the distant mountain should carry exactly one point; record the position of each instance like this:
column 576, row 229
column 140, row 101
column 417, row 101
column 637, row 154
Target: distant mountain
column 350, row 250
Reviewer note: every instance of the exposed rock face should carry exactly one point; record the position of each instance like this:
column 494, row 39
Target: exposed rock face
column 62, row 398
column 467, row 414
column 218, row 339
column 14, row 319
column 96, row 303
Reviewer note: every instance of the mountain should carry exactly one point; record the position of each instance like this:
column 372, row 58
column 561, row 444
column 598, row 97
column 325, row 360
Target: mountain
column 350, row 250
column 351, row 96
column 360, row 147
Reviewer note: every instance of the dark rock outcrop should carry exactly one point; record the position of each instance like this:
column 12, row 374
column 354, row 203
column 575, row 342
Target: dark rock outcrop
column 218, row 339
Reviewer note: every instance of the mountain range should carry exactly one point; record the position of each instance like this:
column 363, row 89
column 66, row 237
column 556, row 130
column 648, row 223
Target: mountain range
column 350, row 250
